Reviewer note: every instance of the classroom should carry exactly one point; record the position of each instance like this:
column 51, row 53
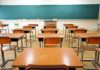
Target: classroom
column 50, row 35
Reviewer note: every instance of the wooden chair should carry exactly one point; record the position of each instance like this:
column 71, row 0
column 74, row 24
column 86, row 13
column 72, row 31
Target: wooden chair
column 79, row 30
column 69, row 33
column 6, row 46
column 32, row 33
column 2, row 27
column 91, row 45
column 21, row 31
column 53, row 42
column 36, row 67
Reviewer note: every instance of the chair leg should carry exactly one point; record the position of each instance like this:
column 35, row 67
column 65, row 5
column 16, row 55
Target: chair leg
column 15, row 53
column 82, row 55
column 61, row 45
column 95, row 56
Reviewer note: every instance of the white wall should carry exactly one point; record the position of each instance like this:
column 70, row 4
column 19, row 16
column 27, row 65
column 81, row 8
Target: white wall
column 47, row 2
column 88, row 24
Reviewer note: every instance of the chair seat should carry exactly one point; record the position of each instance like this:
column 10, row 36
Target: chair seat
column 89, row 47
column 7, row 47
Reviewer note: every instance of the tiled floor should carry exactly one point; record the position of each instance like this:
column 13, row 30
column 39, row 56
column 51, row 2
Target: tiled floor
column 35, row 44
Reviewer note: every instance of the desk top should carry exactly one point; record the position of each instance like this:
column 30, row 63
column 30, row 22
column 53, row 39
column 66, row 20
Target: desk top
column 49, row 29
column 71, row 26
column 48, row 35
column 33, row 25
column 13, row 35
column 48, row 57
column 24, row 29
column 3, row 25
column 85, row 35
column 72, row 29
column 68, row 25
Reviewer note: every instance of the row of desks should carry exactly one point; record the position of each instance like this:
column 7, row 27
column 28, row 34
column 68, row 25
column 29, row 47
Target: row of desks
column 47, row 57
column 82, row 37
column 15, row 37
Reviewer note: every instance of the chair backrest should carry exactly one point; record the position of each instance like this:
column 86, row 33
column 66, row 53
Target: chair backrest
column 32, row 67
column 18, row 31
column 5, row 40
column 52, row 42
column 93, row 40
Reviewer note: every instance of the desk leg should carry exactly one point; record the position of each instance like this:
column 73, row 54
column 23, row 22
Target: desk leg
column 40, row 44
column 17, row 46
column 22, row 44
column 2, row 53
column 8, row 28
column 78, row 46
column 97, row 58
column 68, row 39
column 35, row 33
column 26, row 39
column 30, row 40
column 65, row 33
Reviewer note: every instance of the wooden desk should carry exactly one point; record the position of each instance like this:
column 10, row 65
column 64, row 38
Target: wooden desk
column 15, row 37
column 48, row 57
column 72, row 31
column 69, row 26
column 48, row 35
column 83, row 36
column 43, row 30
column 34, row 27
column 4, row 25
column 26, row 30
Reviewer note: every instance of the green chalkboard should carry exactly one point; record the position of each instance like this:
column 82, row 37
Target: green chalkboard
column 89, row 11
